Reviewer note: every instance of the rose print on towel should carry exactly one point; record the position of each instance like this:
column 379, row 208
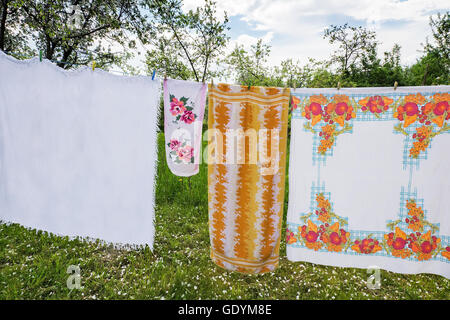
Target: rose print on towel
column 181, row 110
column 181, row 152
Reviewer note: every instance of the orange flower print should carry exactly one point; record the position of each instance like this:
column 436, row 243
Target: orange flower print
column 339, row 110
column 366, row 246
column 407, row 113
column 415, row 98
column 375, row 104
column 416, row 216
column 435, row 112
column 397, row 243
column 310, row 236
column 446, row 252
column 327, row 135
column 323, row 208
column 290, row 237
column 335, row 238
column 341, row 98
column 313, row 111
column 438, row 97
column 423, row 245
column 423, row 137
column 294, row 102
column 320, row 99
column 329, row 234
column 418, row 244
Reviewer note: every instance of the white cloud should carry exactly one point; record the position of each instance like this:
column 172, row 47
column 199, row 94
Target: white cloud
column 247, row 41
column 296, row 27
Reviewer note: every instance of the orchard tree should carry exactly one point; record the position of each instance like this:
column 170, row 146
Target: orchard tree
column 434, row 66
column 250, row 67
column 13, row 36
column 78, row 31
column 352, row 42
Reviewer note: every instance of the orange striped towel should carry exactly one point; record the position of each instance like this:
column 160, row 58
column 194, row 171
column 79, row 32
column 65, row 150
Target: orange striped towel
column 246, row 175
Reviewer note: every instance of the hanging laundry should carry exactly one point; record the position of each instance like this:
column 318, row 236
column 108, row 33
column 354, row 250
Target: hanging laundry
column 246, row 175
column 78, row 151
column 369, row 177
column 184, row 108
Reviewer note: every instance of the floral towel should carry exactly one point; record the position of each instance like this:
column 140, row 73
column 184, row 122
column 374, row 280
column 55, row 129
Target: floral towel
column 184, row 107
column 369, row 178
column 246, row 171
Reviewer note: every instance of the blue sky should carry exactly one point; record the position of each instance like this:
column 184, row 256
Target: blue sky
column 294, row 29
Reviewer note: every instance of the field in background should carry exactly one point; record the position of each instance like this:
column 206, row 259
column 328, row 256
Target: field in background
column 33, row 264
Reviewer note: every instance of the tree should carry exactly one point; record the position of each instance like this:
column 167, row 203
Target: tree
column 249, row 68
column 98, row 26
column 434, row 66
column 353, row 43
column 186, row 44
column 12, row 36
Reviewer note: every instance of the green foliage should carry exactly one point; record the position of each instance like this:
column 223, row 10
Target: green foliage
column 250, row 68
column 77, row 32
column 185, row 45
column 354, row 43
column 434, row 66
column 12, row 36
column 33, row 264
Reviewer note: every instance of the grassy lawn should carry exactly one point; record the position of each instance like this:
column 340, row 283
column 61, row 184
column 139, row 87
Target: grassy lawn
column 33, row 264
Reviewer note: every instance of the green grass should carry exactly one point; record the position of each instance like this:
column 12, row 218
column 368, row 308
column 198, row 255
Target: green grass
column 33, row 264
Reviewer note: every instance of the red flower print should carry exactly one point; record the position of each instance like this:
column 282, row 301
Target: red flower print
column 426, row 247
column 440, row 108
column 290, row 237
column 311, row 236
column 335, row 238
column 188, row 117
column 294, row 102
column 177, row 107
column 411, row 109
column 367, row 246
column 399, row 243
column 315, row 108
column 174, row 144
column 341, row 108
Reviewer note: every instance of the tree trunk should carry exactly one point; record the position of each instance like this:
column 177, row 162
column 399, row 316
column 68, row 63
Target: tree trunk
column 4, row 5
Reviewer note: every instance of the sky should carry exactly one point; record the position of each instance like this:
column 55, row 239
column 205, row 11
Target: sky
column 294, row 29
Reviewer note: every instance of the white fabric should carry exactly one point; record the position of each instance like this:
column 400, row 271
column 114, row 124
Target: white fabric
column 184, row 108
column 78, row 151
column 368, row 177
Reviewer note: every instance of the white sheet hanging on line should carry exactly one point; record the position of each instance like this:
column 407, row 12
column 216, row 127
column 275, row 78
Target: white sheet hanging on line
column 78, row 151
column 184, row 108
column 369, row 178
